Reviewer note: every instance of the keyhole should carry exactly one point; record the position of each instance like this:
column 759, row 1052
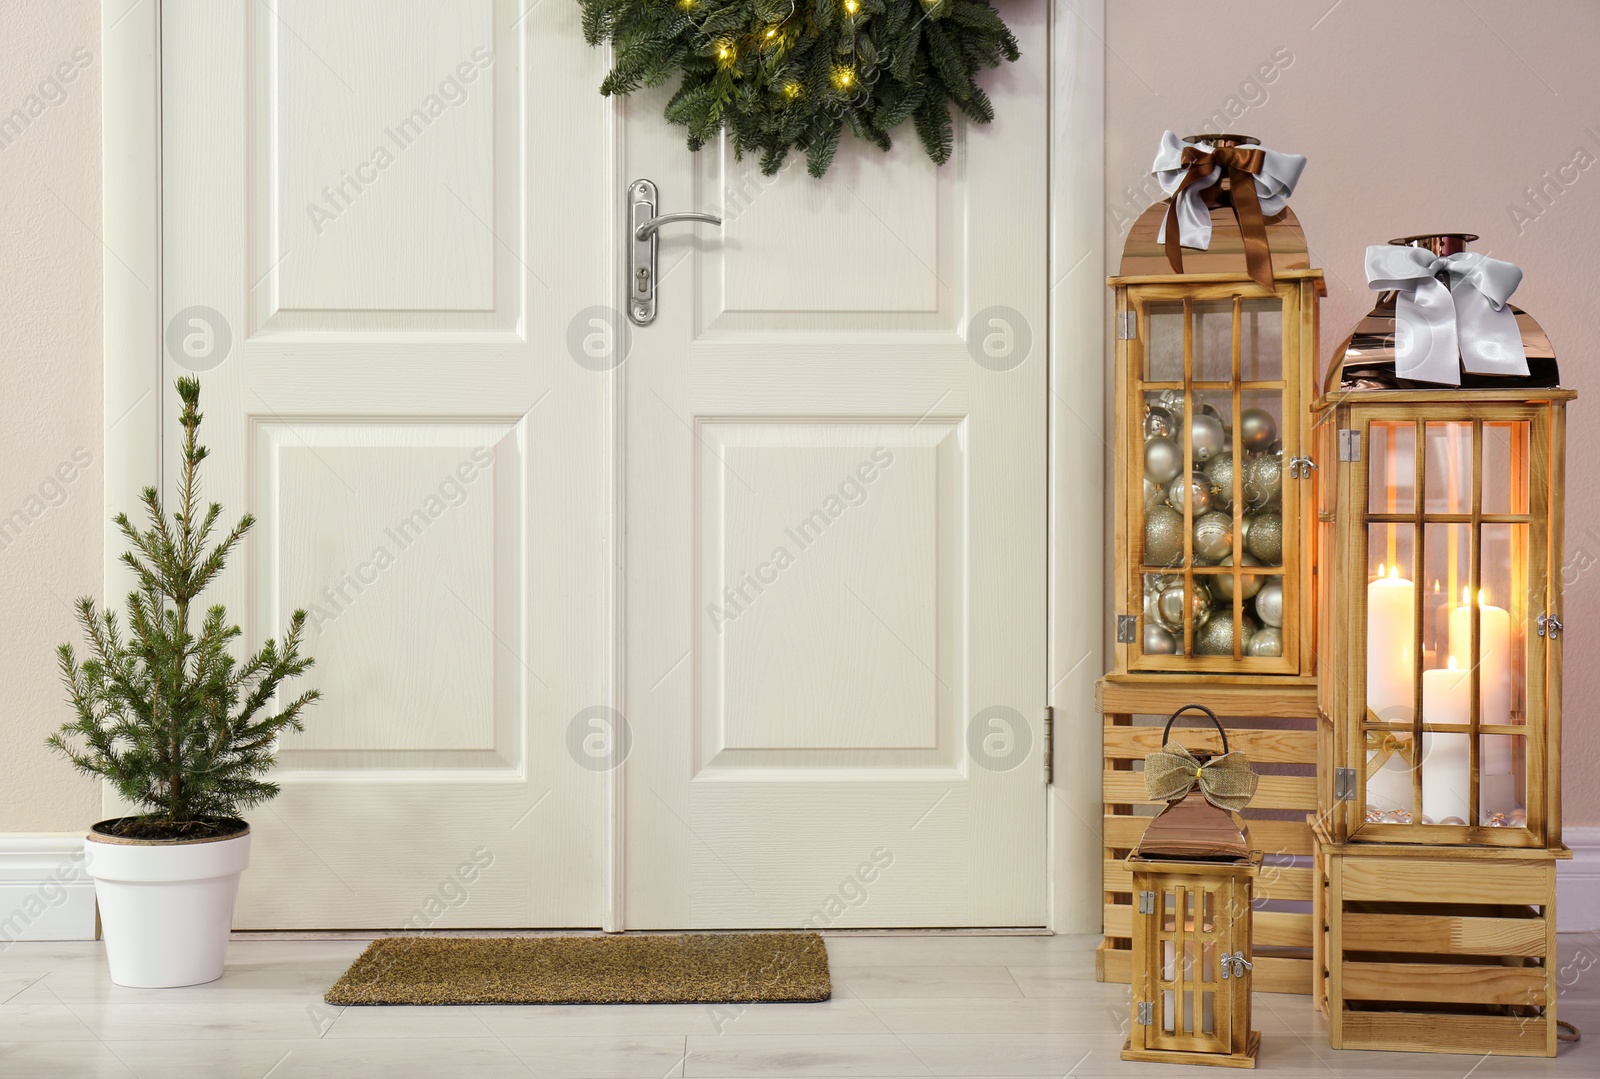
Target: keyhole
column 643, row 276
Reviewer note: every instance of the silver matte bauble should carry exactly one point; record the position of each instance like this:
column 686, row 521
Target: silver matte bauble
column 1198, row 487
column 1163, row 536
column 1220, row 471
column 1266, row 641
column 1159, row 642
column 1249, row 583
column 1158, row 422
column 1215, row 638
column 1163, row 460
column 1265, row 538
column 1257, row 429
column 1206, row 437
column 1213, row 536
column 1263, row 481
column 1269, row 603
column 1206, row 408
column 1173, row 603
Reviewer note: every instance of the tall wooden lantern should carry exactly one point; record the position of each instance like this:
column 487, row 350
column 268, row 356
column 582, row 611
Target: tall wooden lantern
column 1214, row 367
column 1439, row 518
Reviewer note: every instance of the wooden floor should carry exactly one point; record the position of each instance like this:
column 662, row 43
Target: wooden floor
column 903, row 1006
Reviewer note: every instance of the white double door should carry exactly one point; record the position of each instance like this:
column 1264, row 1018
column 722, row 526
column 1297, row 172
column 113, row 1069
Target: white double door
column 793, row 530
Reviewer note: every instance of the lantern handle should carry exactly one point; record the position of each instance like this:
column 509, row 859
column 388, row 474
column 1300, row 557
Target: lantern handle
column 1193, row 708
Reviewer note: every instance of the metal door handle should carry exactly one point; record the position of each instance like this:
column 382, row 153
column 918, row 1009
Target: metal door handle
column 643, row 224
column 648, row 229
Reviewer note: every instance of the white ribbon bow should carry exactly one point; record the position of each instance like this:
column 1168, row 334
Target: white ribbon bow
column 1274, row 184
column 1436, row 322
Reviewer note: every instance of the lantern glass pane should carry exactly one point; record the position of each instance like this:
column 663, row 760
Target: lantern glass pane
column 1213, row 341
column 1164, row 350
column 1502, row 786
column 1392, row 468
column 1505, row 467
column 1391, row 657
column 1502, row 625
column 1449, row 457
column 1446, row 576
column 1261, row 340
column 1163, row 493
column 1168, row 1011
column 1208, row 1013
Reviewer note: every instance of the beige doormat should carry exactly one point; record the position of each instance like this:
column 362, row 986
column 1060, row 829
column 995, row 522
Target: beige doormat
column 688, row 968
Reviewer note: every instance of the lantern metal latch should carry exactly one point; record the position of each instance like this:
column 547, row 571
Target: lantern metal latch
column 1147, row 902
column 1127, row 325
column 1300, row 467
column 1147, row 1012
column 1344, row 784
column 1237, row 963
column 1552, row 623
column 1127, row 628
column 1349, row 444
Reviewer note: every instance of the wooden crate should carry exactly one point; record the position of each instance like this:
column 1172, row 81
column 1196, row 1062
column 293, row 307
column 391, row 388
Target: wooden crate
column 1275, row 726
column 1437, row 950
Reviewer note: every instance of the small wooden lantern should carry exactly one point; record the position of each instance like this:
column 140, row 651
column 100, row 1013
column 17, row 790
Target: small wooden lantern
column 1213, row 380
column 1192, row 956
column 1440, row 521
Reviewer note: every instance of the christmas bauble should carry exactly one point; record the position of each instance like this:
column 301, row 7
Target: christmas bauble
column 1205, row 437
column 1163, row 459
column 1213, row 536
column 1173, row 603
column 1265, row 538
column 1266, row 641
column 1158, row 422
column 1257, row 429
column 1153, row 492
column 1206, row 408
column 1215, row 638
column 1269, row 603
column 1163, row 536
column 1159, row 642
column 1220, row 471
column 1199, row 487
column 1263, row 481
column 1172, row 401
column 1250, row 583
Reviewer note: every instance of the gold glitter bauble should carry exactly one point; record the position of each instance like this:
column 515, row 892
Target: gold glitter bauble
column 1263, row 481
column 1265, row 538
column 1220, row 471
column 1215, row 638
column 1163, row 536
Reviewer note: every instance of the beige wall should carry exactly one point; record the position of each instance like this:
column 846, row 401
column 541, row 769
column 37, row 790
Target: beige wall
column 49, row 391
column 1416, row 116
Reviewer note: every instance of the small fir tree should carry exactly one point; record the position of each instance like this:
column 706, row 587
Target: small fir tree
column 165, row 713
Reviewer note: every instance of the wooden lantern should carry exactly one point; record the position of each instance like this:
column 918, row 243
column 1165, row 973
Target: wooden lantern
column 1213, row 377
column 1192, row 963
column 1439, row 538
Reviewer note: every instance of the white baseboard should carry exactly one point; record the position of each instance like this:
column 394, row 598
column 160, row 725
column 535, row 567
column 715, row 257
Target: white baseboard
column 1578, row 882
column 44, row 892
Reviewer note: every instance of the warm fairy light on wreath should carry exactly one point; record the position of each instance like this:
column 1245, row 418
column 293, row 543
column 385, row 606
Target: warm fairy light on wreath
column 725, row 51
column 791, row 89
column 843, row 78
column 852, row 6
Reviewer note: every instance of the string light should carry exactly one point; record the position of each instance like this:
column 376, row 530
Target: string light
column 725, row 51
column 791, row 89
column 852, row 6
column 843, row 78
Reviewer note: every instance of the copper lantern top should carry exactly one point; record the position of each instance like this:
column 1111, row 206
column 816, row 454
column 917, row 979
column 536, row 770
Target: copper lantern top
column 1365, row 360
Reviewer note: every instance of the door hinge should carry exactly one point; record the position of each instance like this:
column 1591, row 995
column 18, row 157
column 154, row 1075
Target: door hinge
column 1127, row 325
column 1147, row 902
column 1552, row 623
column 1049, row 745
column 1236, row 963
column 1349, row 444
column 1146, row 1013
column 1127, row 628
column 1300, row 467
column 1344, row 784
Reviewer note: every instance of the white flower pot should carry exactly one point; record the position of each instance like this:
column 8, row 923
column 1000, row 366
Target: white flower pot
column 166, row 908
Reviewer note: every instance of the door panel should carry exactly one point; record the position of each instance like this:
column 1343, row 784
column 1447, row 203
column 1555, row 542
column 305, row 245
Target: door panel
column 836, row 505
column 346, row 191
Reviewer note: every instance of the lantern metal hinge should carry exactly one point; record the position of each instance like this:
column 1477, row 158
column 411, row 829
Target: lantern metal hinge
column 1147, row 902
column 1127, row 628
column 1349, row 444
column 1300, row 467
column 1552, row 623
column 1147, row 1012
column 1049, row 745
column 1344, row 784
column 1127, row 325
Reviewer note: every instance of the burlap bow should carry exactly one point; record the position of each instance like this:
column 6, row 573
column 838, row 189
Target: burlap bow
column 1259, row 180
column 1226, row 781
column 1384, row 744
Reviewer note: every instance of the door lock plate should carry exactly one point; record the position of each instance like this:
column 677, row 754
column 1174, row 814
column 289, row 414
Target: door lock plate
column 642, row 254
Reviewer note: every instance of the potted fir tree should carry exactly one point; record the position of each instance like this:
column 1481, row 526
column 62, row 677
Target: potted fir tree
column 180, row 728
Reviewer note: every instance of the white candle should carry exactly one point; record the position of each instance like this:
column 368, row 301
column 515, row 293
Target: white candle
column 1391, row 640
column 1494, row 669
column 1447, row 763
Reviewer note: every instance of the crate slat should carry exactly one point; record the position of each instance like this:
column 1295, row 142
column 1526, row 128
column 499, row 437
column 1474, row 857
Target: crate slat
column 1444, row 983
column 1441, row 880
column 1443, row 934
column 1261, row 746
column 1273, row 792
column 1433, row 1033
column 1269, row 928
column 1272, row 974
column 1122, row 832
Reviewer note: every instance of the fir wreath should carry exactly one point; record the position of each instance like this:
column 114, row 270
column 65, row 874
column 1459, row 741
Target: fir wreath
column 782, row 75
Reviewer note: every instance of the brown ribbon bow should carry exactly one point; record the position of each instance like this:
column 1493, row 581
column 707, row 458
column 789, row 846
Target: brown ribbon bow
column 1242, row 164
column 1385, row 744
column 1227, row 782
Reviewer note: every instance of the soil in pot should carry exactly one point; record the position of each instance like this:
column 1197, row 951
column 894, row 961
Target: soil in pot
column 146, row 830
